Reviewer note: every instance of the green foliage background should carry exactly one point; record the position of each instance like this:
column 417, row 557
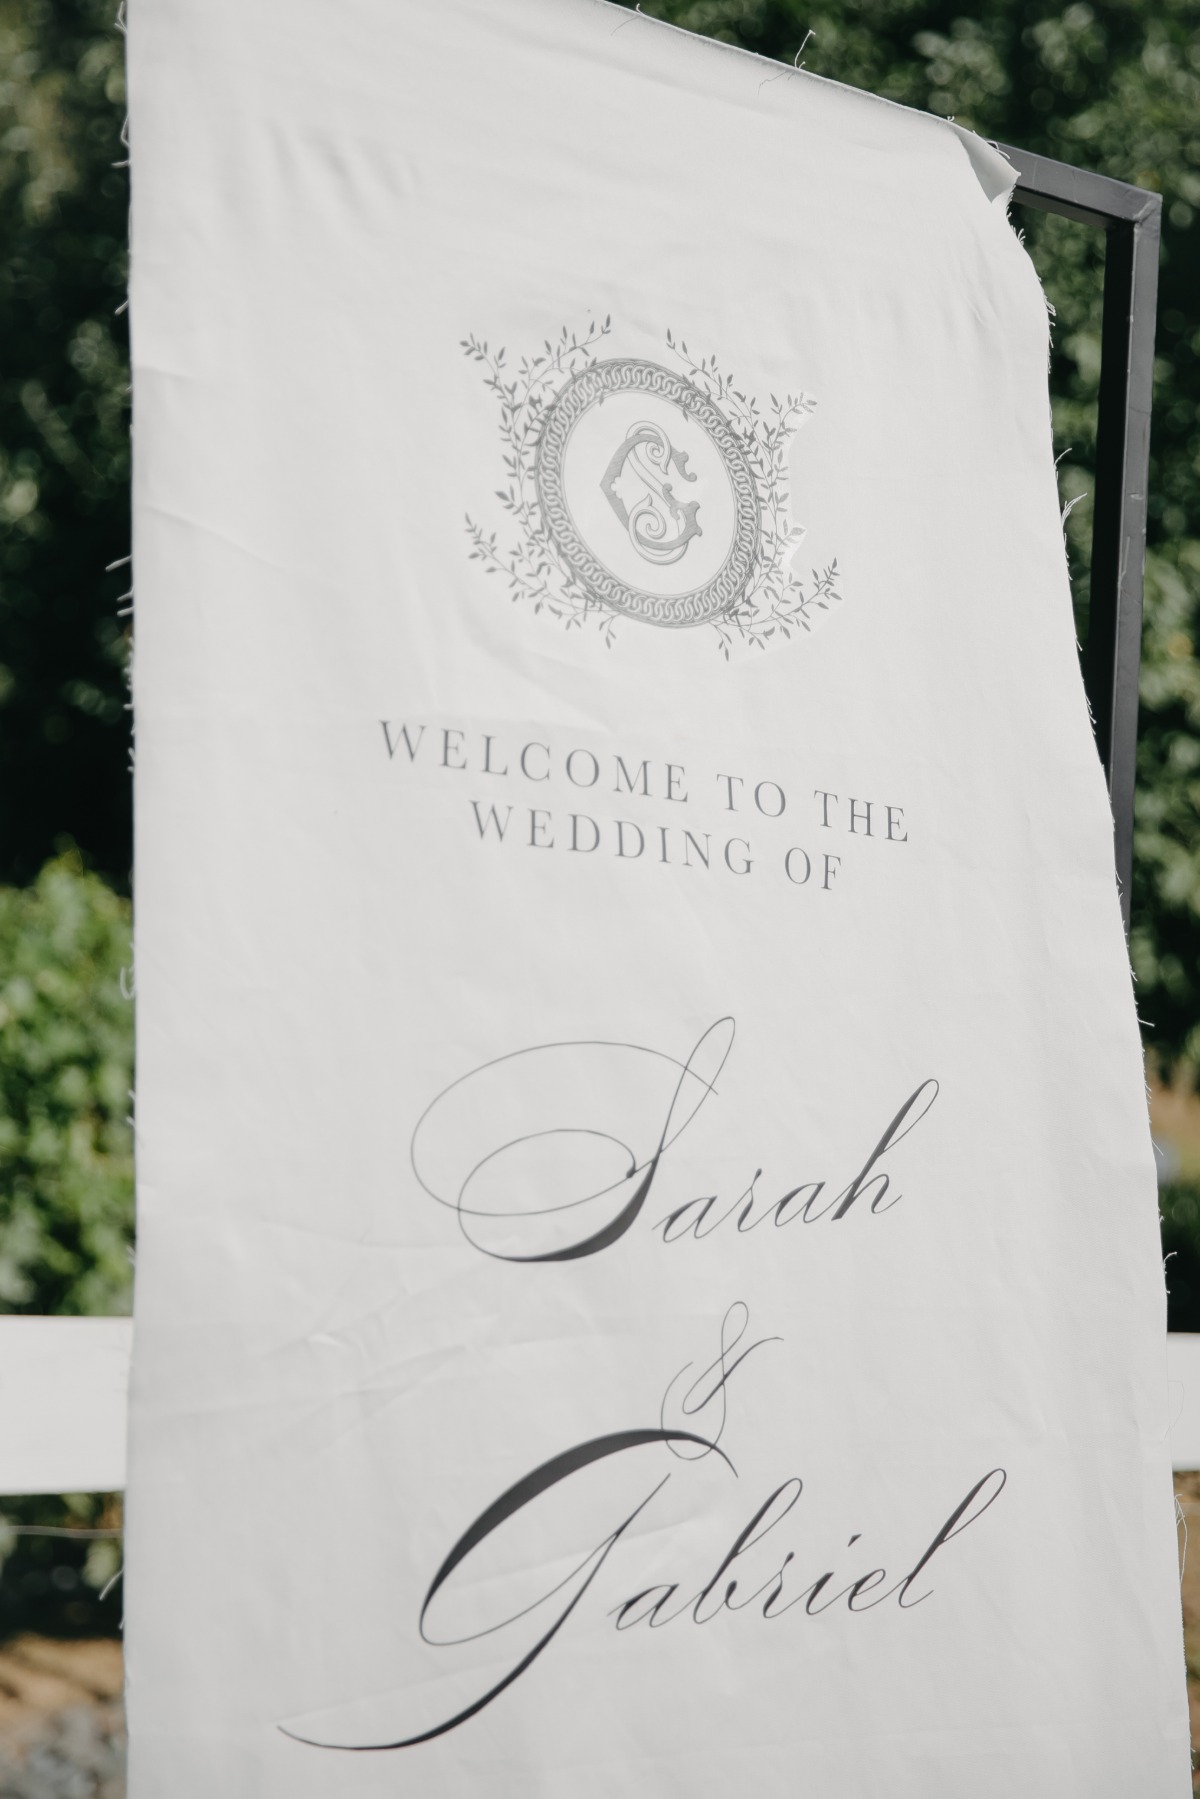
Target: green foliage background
column 64, row 436
column 66, row 1198
column 66, row 1069
column 1113, row 85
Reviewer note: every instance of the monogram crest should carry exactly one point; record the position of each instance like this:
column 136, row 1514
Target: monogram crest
column 647, row 492
column 651, row 455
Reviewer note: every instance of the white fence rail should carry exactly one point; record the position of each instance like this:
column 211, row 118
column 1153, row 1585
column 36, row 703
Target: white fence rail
column 63, row 1386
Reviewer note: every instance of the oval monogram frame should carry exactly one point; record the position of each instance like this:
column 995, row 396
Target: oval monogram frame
column 726, row 587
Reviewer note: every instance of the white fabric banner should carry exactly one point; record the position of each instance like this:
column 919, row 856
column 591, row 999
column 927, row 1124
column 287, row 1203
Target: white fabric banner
column 648, row 1277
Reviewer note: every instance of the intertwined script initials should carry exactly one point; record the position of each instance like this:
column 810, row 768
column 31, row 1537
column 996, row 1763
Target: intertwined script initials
column 660, row 527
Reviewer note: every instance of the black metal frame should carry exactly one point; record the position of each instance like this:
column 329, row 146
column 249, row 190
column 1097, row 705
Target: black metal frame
column 1132, row 219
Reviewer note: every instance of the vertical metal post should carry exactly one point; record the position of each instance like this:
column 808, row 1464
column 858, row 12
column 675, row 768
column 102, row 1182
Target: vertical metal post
column 1132, row 220
column 1112, row 653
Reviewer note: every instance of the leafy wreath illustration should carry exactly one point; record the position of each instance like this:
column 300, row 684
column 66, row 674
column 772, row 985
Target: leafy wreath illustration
column 597, row 480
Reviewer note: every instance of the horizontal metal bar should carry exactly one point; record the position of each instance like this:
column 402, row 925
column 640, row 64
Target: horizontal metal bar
column 1078, row 194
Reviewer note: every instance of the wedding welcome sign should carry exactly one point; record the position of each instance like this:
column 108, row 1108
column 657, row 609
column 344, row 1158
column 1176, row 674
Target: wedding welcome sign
column 648, row 1278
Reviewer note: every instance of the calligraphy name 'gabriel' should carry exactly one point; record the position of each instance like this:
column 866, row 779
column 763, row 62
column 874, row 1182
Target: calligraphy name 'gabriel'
column 747, row 1577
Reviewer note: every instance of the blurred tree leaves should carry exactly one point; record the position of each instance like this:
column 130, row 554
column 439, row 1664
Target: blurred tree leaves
column 66, row 1069
column 59, row 1556
column 1179, row 1209
column 64, row 436
column 1113, row 87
